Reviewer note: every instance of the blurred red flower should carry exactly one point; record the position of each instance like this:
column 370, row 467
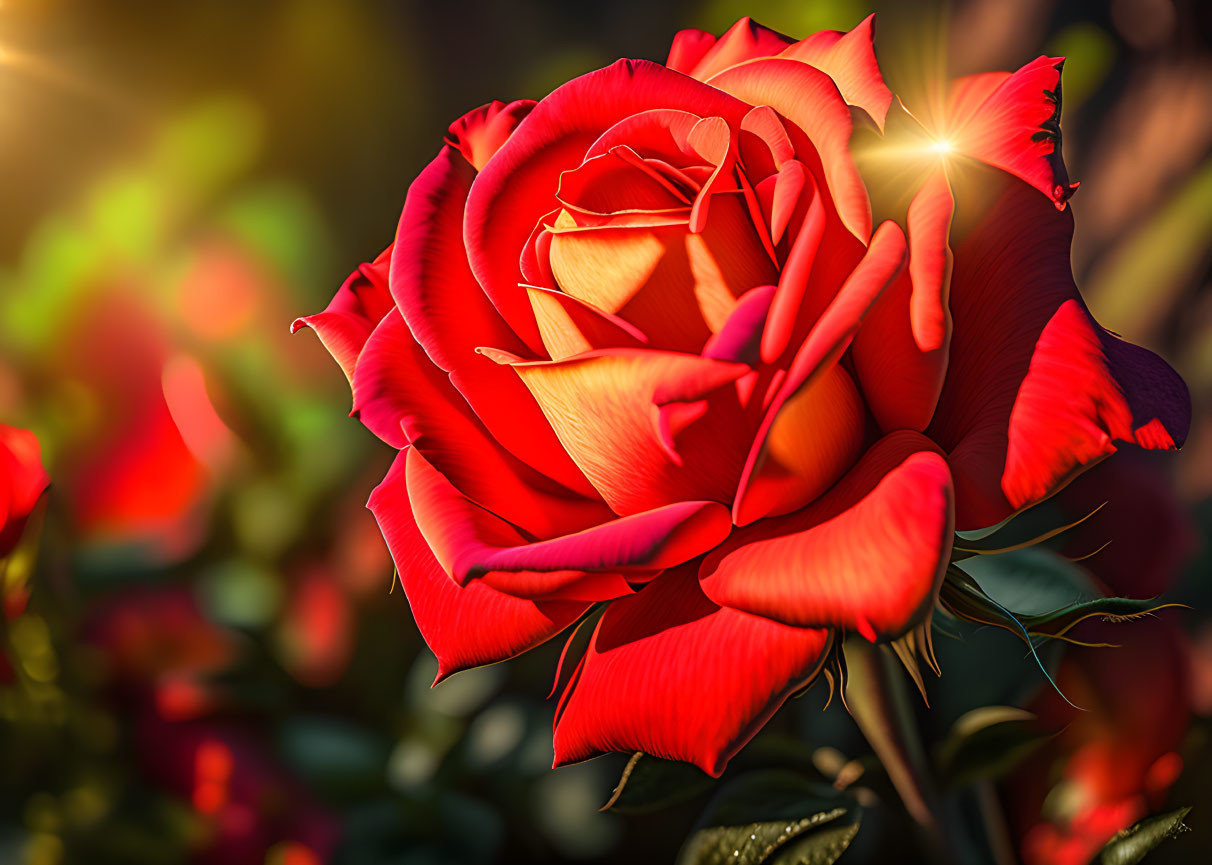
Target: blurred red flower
column 22, row 482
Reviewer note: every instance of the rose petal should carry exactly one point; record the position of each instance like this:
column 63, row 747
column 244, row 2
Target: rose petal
column 675, row 287
column 612, row 183
column 518, row 185
column 688, row 49
column 464, row 626
column 849, row 59
column 868, row 556
column 1036, row 390
column 656, row 133
column 808, row 98
column 901, row 383
column 739, row 338
column 471, row 542
column 359, row 304
column 403, row 398
column 24, row 477
column 901, row 352
column 570, row 326
column 930, row 260
column 671, row 674
column 767, row 484
column 815, row 435
column 794, row 277
column 479, row 133
column 744, row 40
column 450, row 317
column 1012, row 121
column 620, row 449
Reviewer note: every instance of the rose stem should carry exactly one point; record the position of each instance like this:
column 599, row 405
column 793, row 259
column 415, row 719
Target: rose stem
column 879, row 703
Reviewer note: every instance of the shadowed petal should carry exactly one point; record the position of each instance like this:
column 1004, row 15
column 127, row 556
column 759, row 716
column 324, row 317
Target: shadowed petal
column 1036, row 390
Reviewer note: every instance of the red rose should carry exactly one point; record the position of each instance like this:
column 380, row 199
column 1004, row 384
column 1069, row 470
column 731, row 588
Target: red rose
column 638, row 343
column 22, row 482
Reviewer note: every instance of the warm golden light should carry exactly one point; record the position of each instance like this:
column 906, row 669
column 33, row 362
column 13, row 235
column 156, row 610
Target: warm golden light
column 940, row 146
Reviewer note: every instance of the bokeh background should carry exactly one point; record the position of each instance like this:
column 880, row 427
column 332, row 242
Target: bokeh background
column 205, row 660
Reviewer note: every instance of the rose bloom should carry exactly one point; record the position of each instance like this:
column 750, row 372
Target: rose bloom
column 639, row 346
column 22, row 482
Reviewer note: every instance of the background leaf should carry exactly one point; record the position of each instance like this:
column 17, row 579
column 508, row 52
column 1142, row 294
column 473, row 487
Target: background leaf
column 649, row 784
column 774, row 817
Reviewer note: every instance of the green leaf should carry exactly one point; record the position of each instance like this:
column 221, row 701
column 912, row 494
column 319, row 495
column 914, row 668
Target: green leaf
column 1032, row 581
column 987, row 742
column 773, row 817
column 1034, row 526
column 649, row 784
column 1130, row 846
column 822, row 847
column 1033, row 593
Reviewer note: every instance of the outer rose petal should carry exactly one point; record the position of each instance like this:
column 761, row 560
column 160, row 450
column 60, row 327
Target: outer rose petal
column 688, row 49
column 869, row 555
column 671, row 674
column 808, row 98
column 849, row 59
column 700, row 55
column 1012, row 121
column 608, row 408
column 359, row 304
column 518, row 185
column 450, row 316
column 402, row 397
column 464, row 626
column 479, row 134
column 470, row 542
column 1036, row 390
